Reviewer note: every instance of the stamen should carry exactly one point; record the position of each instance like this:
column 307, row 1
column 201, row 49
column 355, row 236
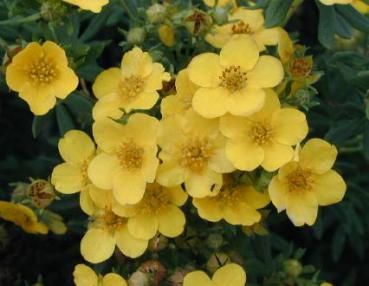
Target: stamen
column 241, row 28
column 300, row 180
column 196, row 153
column 154, row 200
column 300, row 67
column 42, row 71
column 130, row 87
column 130, row 156
column 233, row 78
column 260, row 133
column 109, row 221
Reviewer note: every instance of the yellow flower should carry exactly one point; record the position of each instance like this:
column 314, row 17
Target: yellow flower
column 244, row 22
column 166, row 35
column 301, row 186
column 192, row 151
column 22, row 216
column 264, row 138
column 91, row 5
column 106, row 231
column 361, row 6
column 233, row 81
column 53, row 221
column 134, row 86
column 128, row 159
column 182, row 101
column 157, row 211
column 40, row 74
column 326, row 284
column 236, row 203
column 229, row 275
column 221, row 3
column 85, row 276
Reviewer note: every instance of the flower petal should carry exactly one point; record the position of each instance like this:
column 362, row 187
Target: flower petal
column 318, row 155
column 276, row 155
column 289, row 126
column 76, row 147
column 197, row 278
column 170, row 174
column 329, row 188
column 234, row 126
column 86, row 203
column 208, row 209
column 102, row 169
column 171, row 221
column 129, row 245
column 84, row 276
column 302, row 207
column 108, row 134
column 244, row 154
column 128, row 187
column 268, row 72
column 66, row 83
column 205, row 70
column 278, row 193
column 240, row 51
column 243, row 214
column 113, row 279
column 106, row 82
column 206, row 184
column 210, row 102
column 137, row 62
column 107, row 106
column 245, row 101
column 143, row 226
column 230, row 275
column 97, row 245
column 177, row 196
column 67, row 179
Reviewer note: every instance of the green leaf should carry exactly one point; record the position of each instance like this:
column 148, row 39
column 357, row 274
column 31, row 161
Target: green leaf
column 354, row 17
column 327, row 25
column 343, row 130
column 64, row 119
column 343, row 28
column 276, row 12
column 95, row 25
column 366, row 139
column 338, row 243
column 80, row 106
column 41, row 123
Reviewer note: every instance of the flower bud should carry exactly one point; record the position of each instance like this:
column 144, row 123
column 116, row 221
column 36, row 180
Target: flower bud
column 217, row 260
column 156, row 13
column 136, row 36
column 198, row 22
column 220, row 15
column 41, row 192
column 51, row 10
column 166, row 35
column 292, row 267
column 139, row 278
column 156, row 270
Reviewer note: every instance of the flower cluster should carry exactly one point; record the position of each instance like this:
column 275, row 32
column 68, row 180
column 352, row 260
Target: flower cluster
column 232, row 118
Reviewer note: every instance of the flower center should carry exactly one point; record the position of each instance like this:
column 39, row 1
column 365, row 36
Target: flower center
column 300, row 180
column 109, row 221
column 229, row 197
column 260, row 133
column 195, row 154
column 233, row 78
column 130, row 87
column 300, row 67
column 42, row 71
column 154, row 200
column 241, row 28
column 130, row 156
column 84, row 168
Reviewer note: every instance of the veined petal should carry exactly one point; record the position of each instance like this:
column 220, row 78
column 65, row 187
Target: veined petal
column 205, row 70
column 329, row 188
column 268, row 72
column 278, row 192
column 177, row 196
column 302, row 207
column 113, row 279
column 243, row 214
column 107, row 106
column 84, row 276
column 245, row 101
column 67, row 179
column 205, row 184
column 143, row 226
column 208, row 209
column 276, row 155
column 170, row 174
column 171, row 221
column 197, row 278
column 210, row 102
column 230, row 275
column 102, row 169
column 108, row 134
column 128, row 187
column 128, row 244
column 106, row 82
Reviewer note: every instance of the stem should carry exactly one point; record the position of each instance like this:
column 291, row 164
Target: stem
column 22, row 20
column 295, row 5
column 128, row 10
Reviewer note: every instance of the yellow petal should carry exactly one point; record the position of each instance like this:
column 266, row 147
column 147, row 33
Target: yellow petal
column 107, row 106
column 244, row 154
column 145, row 100
column 106, row 82
column 67, row 179
column 171, row 221
column 219, row 162
column 254, row 18
column 86, row 203
column 268, row 72
column 84, row 276
column 243, row 214
column 40, row 99
column 208, row 209
column 102, row 169
column 76, row 147
column 155, row 80
column 234, row 126
column 16, row 77
column 129, row 245
column 329, row 188
column 183, row 83
column 108, row 134
column 55, row 52
column 143, row 226
column 177, row 196
column 230, row 275
column 113, row 279
column 101, row 198
column 245, row 101
column 197, row 278
column 205, row 184
column 289, row 126
column 285, row 46
column 254, row 198
column 128, row 187
column 205, row 70
column 240, row 51
column 143, row 136
column 276, row 155
column 137, row 62
column 97, row 245
column 271, row 103
column 318, row 155
column 278, row 192
column 66, row 83
column 170, row 174
column 302, row 207
column 268, row 37
column 214, row 97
